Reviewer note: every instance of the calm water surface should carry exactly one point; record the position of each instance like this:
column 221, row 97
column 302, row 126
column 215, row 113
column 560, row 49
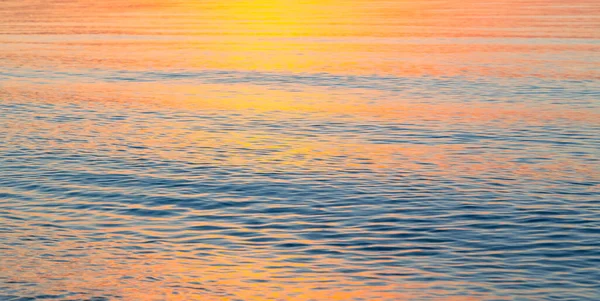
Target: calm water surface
column 299, row 150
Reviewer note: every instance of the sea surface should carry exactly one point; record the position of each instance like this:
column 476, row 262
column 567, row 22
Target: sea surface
column 300, row 150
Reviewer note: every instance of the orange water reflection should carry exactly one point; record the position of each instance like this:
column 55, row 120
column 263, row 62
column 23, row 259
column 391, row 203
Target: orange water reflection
column 373, row 134
column 354, row 103
column 276, row 150
column 360, row 37
column 108, row 267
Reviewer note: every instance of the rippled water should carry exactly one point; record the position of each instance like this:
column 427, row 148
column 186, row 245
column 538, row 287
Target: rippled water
column 299, row 150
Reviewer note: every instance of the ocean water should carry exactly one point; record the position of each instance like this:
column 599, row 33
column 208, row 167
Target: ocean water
column 299, row 150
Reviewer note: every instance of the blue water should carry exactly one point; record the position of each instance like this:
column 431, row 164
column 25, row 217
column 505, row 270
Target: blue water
column 121, row 182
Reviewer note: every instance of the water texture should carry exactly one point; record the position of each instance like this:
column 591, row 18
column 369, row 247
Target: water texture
column 299, row 150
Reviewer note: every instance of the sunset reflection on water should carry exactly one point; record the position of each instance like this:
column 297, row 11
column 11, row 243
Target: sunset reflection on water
column 299, row 150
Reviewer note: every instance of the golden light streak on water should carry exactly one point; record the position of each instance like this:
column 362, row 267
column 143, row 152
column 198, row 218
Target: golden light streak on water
column 299, row 150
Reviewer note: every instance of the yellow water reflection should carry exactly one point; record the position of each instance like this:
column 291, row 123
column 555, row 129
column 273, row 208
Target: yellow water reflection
column 275, row 150
column 293, row 150
column 406, row 38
